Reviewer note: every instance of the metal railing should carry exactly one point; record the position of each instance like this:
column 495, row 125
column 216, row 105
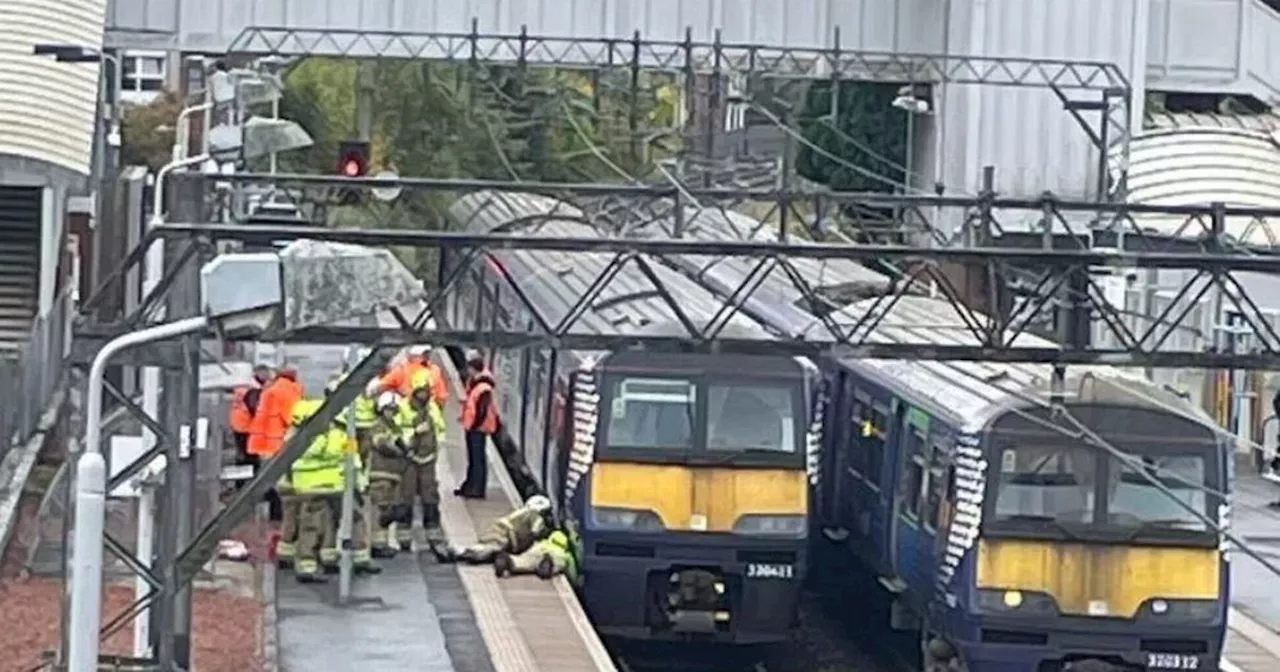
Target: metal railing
column 29, row 377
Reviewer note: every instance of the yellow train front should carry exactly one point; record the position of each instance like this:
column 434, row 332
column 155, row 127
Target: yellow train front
column 688, row 487
column 1086, row 559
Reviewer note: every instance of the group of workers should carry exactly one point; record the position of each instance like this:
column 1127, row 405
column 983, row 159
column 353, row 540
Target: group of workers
column 390, row 448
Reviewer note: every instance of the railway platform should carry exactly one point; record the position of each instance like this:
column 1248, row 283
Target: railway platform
column 1253, row 644
column 422, row 615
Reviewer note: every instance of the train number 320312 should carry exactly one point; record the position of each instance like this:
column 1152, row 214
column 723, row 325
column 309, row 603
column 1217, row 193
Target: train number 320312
column 1172, row 661
column 759, row 571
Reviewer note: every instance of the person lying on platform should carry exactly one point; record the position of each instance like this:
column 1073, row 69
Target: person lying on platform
column 513, row 533
column 548, row 558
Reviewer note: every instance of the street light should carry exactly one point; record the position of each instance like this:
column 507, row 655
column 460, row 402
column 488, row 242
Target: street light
column 70, row 53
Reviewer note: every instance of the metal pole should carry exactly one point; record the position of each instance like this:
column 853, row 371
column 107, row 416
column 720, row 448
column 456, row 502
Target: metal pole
column 142, row 648
column 346, row 523
column 90, row 509
column 157, row 201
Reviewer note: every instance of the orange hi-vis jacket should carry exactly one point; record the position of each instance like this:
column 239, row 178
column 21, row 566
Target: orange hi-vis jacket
column 480, row 410
column 275, row 409
column 400, row 379
column 241, row 419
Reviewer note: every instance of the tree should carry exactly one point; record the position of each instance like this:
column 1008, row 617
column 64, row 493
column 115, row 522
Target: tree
column 147, row 132
column 867, row 132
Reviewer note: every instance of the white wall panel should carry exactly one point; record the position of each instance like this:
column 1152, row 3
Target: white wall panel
column 1024, row 132
column 211, row 25
column 1262, row 49
column 47, row 108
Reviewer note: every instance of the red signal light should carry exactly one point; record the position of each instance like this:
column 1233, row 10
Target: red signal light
column 351, row 168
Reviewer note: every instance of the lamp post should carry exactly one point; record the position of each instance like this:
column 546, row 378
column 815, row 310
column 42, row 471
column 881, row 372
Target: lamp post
column 70, row 53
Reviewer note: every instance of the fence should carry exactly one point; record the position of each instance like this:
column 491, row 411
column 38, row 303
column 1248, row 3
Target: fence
column 30, row 376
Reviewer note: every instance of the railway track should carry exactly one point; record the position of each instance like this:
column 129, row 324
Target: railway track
column 830, row 638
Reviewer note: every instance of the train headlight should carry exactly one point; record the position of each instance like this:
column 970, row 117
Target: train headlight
column 772, row 525
column 998, row 601
column 1180, row 610
column 617, row 518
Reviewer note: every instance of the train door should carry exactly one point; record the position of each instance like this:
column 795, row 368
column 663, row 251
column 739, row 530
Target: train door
column 866, row 507
column 835, row 448
column 913, row 526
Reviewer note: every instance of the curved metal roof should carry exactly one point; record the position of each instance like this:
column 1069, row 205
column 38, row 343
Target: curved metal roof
column 554, row 281
column 1196, row 166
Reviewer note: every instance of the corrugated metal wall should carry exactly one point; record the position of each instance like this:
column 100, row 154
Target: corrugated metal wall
column 865, row 24
column 47, row 108
column 1034, row 143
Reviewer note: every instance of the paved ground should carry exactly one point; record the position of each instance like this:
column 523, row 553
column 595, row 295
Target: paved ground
column 1256, row 589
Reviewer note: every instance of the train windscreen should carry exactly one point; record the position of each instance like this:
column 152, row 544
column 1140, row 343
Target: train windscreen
column 1061, row 486
column 704, row 419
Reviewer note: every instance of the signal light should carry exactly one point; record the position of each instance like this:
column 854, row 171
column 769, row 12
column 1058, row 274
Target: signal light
column 353, row 161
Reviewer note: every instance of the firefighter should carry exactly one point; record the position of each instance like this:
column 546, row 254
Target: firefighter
column 513, row 533
column 401, row 376
column 315, row 479
column 340, row 435
column 548, row 558
column 421, row 416
column 386, row 467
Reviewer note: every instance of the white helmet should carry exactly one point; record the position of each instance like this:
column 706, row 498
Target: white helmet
column 538, row 503
column 387, row 400
column 420, row 350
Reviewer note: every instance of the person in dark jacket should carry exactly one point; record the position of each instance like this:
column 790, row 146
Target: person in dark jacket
column 479, row 422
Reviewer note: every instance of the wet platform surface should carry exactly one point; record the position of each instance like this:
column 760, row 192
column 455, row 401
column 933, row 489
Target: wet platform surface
column 423, row 615
column 1253, row 644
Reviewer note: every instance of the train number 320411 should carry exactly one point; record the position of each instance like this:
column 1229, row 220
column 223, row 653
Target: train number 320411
column 759, row 571
column 1172, row 661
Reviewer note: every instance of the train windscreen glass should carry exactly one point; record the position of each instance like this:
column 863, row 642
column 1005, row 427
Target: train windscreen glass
column 704, row 419
column 652, row 413
column 1075, row 487
column 751, row 417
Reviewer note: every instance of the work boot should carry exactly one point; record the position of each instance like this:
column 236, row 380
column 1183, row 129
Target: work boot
column 383, row 552
column 330, row 569
column 284, row 563
column 546, row 568
column 502, row 565
column 367, row 569
column 312, row 578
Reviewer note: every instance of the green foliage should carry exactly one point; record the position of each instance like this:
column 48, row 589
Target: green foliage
column 490, row 122
column 865, row 120
column 147, row 132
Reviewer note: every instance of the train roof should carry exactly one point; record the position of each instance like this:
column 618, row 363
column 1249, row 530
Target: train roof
column 776, row 300
column 554, row 281
column 972, row 394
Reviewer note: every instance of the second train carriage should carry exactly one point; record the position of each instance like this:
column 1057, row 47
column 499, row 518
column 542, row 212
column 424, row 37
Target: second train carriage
column 1026, row 523
column 685, row 478
column 1006, row 535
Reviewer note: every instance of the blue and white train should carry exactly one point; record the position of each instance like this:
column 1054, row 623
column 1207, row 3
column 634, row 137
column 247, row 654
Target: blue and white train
column 1016, row 522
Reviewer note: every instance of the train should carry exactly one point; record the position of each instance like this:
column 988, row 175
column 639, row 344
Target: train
column 1014, row 517
column 684, row 478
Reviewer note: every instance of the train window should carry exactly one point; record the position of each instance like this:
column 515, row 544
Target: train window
column 1132, row 498
column 858, row 450
column 874, row 444
column 1054, row 481
column 651, row 413
column 915, row 474
column 936, row 491
column 752, row 417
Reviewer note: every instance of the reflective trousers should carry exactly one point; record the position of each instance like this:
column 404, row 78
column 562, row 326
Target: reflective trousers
column 286, row 549
column 528, row 562
column 383, row 495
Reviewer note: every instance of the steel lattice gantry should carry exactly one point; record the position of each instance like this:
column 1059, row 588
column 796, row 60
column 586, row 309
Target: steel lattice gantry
column 1213, row 258
column 706, row 64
